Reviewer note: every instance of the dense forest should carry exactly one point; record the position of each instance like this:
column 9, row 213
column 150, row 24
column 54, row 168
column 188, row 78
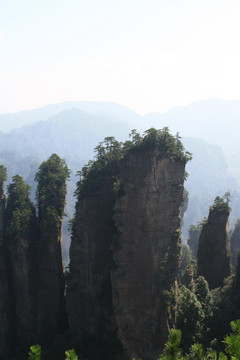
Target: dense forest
column 132, row 289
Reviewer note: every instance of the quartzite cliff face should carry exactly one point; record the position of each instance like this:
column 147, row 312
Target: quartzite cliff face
column 125, row 254
column 89, row 292
column 214, row 246
column 5, row 315
column 146, row 250
column 32, row 307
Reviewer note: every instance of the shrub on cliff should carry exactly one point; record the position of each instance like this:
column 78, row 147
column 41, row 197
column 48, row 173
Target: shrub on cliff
column 51, row 190
column 20, row 212
column 110, row 151
column 173, row 351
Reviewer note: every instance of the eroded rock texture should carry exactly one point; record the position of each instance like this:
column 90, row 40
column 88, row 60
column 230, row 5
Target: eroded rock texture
column 22, row 286
column 32, row 303
column 5, row 318
column 214, row 247
column 51, row 192
column 235, row 243
column 124, row 257
column 89, row 290
column 51, row 302
column 146, row 249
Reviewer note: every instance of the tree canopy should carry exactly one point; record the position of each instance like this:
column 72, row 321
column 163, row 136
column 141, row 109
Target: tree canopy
column 110, row 151
column 20, row 211
column 51, row 189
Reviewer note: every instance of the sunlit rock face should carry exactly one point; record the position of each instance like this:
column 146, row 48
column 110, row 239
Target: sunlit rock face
column 124, row 257
column 146, row 250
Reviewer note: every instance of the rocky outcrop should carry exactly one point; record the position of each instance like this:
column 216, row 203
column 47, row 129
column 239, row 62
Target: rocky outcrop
column 51, row 192
column 125, row 254
column 89, row 291
column 32, row 285
column 5, row 298
column 20, row 223
column 235, row 243
column 146, row 250
column 214, row 247
column 193, row 238
column 51, row 302
column 21, row 282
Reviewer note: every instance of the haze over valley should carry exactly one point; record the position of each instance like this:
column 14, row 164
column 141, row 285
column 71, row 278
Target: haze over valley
column 209, row 130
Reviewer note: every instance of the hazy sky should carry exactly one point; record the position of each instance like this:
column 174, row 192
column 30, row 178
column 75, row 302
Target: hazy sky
column 149, row 55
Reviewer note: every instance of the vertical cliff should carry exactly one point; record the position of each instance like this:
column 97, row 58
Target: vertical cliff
column 125, row 249
column 20, row 222
column 51, row 192
column 193, row 238
column 89, row 291
column 5, row 298
column 235, row 243
column 32, row 304
column 3, row 178
column 147, row 248
column 214, row 246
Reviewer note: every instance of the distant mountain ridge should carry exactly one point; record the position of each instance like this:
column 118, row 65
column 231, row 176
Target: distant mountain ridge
column 213, row 120
column 210, row 130
column 70, row 132
column 111, row 110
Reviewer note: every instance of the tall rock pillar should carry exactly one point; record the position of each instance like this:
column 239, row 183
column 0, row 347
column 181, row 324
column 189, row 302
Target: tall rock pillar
column 51, row 192
column 146, row 249
column 20, row 222
column 214, row 245
column 5, row 326
column 125, row 249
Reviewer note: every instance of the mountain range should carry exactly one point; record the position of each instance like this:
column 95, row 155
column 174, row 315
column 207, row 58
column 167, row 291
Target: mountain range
column 209, row 129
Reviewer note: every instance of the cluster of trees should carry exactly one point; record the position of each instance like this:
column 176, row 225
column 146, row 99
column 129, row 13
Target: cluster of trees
column 29, row 271
column 110, row 151
column 204, row 315
column 173, row 349
column 20, row 212
column 35, row 353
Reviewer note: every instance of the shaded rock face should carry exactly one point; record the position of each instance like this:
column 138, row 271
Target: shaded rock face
column 51, row 303
column 125, row 252
column 2, row 209
column 235, row 243
column 21, row 284
column 193, row 238
column 5, row 299
column 89, row 291
column 32, row 284
column 214, row 248
column 147, row 249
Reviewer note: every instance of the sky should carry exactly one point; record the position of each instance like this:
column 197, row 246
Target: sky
column 148, row 55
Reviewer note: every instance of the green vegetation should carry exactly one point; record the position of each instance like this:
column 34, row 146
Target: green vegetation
column 190, row 316
column 35, row 353
column 71, row 355
column 3, row 176
column 204, row 315
column 173, row 350
column 221, row 203
column 51, row 190
column 20, row 212
column 110, row 151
